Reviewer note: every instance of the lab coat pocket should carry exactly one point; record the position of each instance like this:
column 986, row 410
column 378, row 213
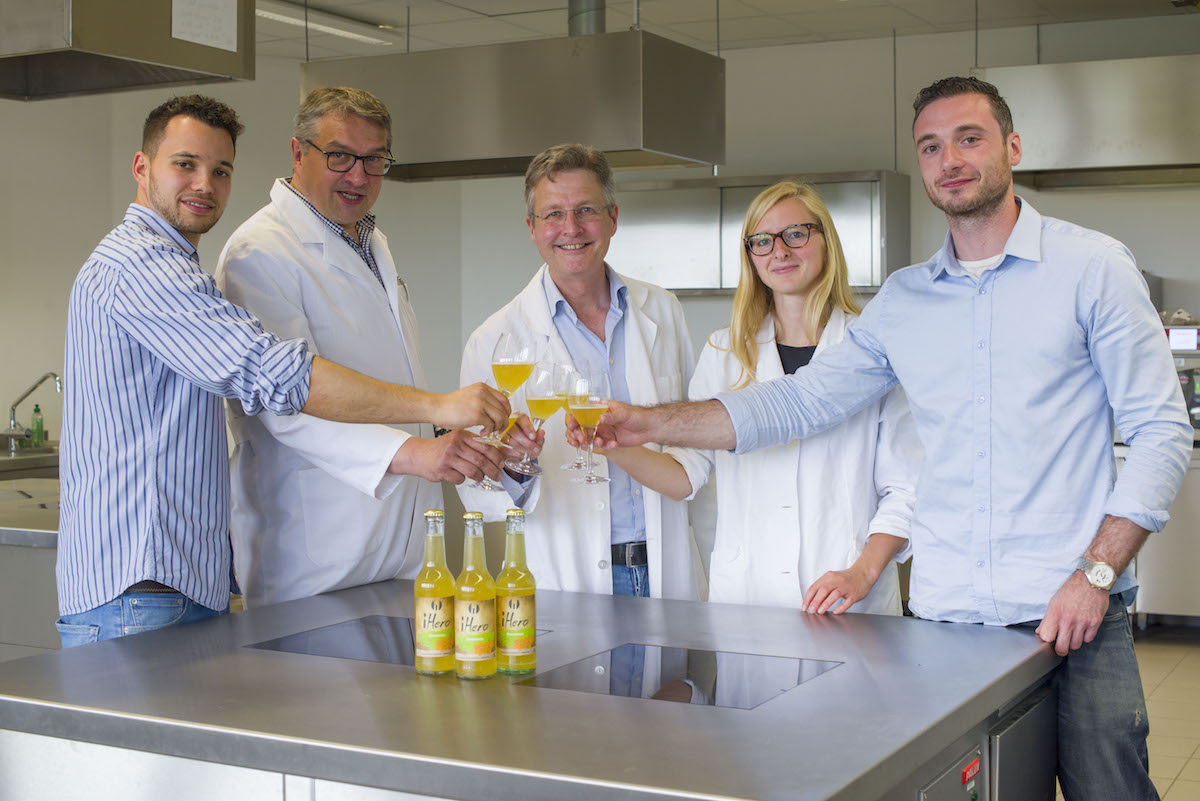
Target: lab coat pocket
column 728, row 577
column 334, row 531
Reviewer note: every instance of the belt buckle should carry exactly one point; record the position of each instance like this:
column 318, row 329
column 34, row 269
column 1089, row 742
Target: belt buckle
column 628, row 548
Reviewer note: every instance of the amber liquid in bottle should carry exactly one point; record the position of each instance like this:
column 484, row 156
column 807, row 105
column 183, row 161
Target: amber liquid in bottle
column 516, row 605
column 433, row 602
column 474, row 608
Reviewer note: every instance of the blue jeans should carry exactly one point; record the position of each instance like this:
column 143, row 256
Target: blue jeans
column 1102, row 723
column 131, row 613
column 633, row 581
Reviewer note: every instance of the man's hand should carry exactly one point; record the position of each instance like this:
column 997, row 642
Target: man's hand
column 1074, row 615
column 623, row 425
column 453, row 457
column 851, row 585
column 474, row 405
column 523, row 438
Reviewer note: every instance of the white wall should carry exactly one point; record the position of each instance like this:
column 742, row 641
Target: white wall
column 462, row 246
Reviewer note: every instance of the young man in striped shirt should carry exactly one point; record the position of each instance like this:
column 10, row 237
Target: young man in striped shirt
column 152, row 348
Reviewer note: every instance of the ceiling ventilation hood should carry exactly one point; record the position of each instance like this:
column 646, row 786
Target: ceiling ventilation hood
column 58, row 48
column 481, row 111
column 1126, row 122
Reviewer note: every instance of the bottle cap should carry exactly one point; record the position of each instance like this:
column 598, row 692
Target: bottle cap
column 37, row 408
column 434, row 513
column 473, row 516
column 516, row 513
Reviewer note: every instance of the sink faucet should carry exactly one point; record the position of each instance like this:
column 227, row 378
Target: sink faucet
column 13, row 434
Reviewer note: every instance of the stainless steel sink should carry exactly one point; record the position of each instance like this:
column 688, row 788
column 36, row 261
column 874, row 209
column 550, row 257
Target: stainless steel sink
column 30, row 462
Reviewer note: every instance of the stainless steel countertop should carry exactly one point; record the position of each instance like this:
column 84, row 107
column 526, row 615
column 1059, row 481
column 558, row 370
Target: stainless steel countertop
column 905, row 690
column 29, row 511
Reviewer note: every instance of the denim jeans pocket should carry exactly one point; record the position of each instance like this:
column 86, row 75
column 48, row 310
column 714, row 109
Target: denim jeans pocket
column 73, row 634
column 154, row 613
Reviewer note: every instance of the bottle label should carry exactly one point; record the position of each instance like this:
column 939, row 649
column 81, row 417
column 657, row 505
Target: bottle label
column 475, row 638
column 518, row 625
column 435, row 627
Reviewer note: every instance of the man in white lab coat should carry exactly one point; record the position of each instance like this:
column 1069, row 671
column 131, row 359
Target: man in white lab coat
column 616, row 537
column 317, row 505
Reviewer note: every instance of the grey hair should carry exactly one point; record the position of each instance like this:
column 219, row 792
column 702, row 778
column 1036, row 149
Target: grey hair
column 570, row 156
column 341, row 101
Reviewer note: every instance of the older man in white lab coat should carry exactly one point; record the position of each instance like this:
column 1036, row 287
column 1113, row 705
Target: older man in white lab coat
column 617, row 537
column 319, row 506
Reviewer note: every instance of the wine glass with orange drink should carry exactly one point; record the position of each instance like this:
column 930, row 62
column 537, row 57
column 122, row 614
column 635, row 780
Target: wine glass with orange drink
column 545, row 393
column 588, row 399
column 512, row 361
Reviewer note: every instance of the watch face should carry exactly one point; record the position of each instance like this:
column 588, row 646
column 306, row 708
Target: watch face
column 1101, row 575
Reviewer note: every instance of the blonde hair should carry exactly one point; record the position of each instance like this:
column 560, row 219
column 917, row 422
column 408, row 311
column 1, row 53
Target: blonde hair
column 753, row 300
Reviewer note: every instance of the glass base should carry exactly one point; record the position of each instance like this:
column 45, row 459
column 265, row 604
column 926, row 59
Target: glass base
column 517, row 466
column 574, row 466
column 590, row 480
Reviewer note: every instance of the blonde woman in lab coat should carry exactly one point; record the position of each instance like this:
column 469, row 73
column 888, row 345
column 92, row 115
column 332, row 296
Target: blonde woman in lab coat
column 818, row 524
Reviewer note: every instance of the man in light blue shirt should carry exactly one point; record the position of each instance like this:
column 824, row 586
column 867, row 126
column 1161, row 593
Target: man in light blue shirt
column 1019, row 344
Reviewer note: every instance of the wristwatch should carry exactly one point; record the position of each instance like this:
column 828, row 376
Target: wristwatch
column 1099, row 574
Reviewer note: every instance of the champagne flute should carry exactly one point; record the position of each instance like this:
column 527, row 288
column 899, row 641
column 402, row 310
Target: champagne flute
column 545, row 394
column 580, row 463
column 588, row 399
column 513, row 358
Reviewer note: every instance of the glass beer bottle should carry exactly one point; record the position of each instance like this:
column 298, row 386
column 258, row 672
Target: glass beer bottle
column 433, row 601
column 515, row 603
column 474, row 607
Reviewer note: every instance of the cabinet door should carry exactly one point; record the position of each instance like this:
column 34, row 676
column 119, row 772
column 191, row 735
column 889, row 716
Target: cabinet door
column 1166, row 565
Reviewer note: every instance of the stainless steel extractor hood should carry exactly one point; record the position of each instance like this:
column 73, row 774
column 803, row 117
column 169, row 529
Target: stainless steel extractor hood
column 58, row 48
column 1125, row 122
column 477, row 111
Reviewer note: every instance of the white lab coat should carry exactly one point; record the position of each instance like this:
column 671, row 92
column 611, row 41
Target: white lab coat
column 788, row 513
column 568, row 538
column 313, row 506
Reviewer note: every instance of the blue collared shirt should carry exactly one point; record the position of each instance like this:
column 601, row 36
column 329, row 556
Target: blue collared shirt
column 152, row 347
column 1015, row 382
column 588, row 352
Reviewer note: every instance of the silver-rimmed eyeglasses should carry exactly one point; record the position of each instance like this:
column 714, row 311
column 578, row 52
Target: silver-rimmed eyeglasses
column 794, row 236
column 583, row 215
column 338, row 161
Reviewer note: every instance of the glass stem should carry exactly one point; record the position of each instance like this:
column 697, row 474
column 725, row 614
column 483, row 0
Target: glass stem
column 537, row 426
column 591, row 442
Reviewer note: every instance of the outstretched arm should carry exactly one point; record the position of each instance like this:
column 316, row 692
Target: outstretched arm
column 705, row 424
column 339, row 393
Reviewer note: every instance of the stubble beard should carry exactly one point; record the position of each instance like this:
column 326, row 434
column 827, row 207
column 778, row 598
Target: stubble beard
column 993, row 191
column 168, row 209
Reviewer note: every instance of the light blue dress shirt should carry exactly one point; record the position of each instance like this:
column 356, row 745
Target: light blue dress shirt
column 588, row 352
column 152, row 347
column 1014, row 381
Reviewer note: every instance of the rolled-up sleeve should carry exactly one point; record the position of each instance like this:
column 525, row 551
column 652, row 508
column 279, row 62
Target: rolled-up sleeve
column 1133, row 358
column 173, row 309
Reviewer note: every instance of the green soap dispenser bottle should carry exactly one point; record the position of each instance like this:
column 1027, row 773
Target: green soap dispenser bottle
column 38, row 426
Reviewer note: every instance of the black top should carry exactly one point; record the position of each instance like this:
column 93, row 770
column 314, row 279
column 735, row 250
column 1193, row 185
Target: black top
column 795, row 358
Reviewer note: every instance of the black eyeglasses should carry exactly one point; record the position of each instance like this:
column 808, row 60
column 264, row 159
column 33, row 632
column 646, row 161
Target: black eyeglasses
column 344, row 162
column 794, row 236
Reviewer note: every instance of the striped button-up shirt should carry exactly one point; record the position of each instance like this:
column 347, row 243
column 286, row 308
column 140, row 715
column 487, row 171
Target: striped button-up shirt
column 152, row 347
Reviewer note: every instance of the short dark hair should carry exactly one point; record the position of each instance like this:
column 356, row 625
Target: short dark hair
column 955, row 86
column 569, row 156
column 209, row 111
column 340, row 101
